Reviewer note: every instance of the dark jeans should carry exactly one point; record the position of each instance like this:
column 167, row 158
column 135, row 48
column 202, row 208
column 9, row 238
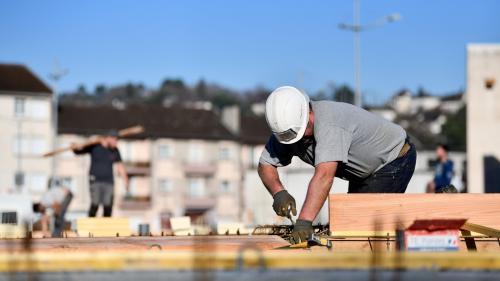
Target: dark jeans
column 392, row 178
column 59, row 218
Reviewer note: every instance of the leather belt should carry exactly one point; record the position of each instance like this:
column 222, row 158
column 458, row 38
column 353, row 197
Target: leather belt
column 406, row 147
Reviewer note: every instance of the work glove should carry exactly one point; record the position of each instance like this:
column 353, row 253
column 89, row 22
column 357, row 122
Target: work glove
column 302, row 231
column 284, row 203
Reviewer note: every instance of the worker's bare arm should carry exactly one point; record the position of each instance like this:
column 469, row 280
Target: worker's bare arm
column 123, row 173
column 44, row 221
column 270, row 178
column 318, row 190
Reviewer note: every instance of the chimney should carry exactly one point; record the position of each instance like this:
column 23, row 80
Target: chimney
column 230, row 118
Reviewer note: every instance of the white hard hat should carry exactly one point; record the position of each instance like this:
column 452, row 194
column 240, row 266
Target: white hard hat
column 287, row 113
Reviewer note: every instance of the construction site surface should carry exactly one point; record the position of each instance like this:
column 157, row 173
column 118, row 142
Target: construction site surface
column 362, row 244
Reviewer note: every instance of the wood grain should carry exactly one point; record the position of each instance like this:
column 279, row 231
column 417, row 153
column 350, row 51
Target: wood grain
column 102, row 227
column 170, row 243
column 382, row 212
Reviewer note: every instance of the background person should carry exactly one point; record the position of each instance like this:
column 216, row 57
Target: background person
column 444, row 171
column 53, row 205
column 103, row 156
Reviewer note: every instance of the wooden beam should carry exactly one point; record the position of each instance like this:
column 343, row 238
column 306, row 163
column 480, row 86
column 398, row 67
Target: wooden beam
column 122, row 133
column 383, row 212
column 270, row 260
column 147, row 243
column 488, row 231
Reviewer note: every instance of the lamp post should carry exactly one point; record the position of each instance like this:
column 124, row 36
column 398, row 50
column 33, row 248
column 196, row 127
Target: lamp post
column 357, row 28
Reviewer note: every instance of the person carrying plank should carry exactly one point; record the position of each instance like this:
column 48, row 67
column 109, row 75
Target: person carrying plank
column 339, row 140
column 103, row 155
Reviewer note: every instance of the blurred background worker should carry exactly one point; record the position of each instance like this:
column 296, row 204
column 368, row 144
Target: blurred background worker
column 53, row 205
column 444, row 171
column 103, row 156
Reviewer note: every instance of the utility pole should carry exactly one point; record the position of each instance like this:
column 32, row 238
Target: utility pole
column 357, row 28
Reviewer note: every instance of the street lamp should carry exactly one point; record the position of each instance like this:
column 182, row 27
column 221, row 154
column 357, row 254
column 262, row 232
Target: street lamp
column 357, row 28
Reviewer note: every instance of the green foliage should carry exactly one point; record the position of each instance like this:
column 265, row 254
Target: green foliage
column 454, row 130
column 223, row 99
column 344, row 93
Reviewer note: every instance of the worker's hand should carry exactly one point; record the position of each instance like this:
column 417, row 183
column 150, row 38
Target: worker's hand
column 284, row 203
column 302, row 231
column 75, row 146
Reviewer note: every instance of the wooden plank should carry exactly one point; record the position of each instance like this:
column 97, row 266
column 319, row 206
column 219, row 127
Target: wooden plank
column 12, row 231
column 488, row 231
column 269, row 260
column 166, row 243
column 360, row 212
column 102, row 227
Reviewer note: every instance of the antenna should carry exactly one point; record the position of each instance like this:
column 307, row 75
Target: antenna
column 58, row 72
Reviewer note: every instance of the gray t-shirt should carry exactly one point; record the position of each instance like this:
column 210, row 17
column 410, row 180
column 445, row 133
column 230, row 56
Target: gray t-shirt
column 360, row 141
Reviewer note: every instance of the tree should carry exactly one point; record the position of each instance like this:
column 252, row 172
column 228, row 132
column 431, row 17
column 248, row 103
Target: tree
column 201, row 89
column 454, row 130
column 81, row 90
column 421, row 92
column 344, row 93
column 223, row 99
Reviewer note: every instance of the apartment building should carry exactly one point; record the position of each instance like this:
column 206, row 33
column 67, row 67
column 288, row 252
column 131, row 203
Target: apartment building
column 27, row 131
column 185, row 163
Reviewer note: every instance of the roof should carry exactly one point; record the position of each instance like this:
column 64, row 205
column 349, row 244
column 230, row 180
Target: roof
column 453, row 97
column 19, row 79
column 254, row 129
column 158, row 121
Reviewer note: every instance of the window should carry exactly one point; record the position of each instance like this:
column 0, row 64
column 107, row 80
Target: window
column 165, row 185
column 20, row 145
column 19, row 179
column 36, row 182
column 38, row 146
column 38, row 109
column 196, row 187
column 225, row 187
column 19, row 107
column 224, row 153
column 164, row 151
column 26, row 145
column 195, row 153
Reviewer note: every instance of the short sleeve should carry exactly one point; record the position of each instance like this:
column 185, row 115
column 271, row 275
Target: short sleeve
column 332, row 144
column 84, row 150
column 276, row 153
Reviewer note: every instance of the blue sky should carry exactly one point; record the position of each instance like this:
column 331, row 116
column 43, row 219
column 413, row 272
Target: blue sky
column 242, row 44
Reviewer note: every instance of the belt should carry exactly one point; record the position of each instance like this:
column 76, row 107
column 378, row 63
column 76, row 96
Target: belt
column 406, row 147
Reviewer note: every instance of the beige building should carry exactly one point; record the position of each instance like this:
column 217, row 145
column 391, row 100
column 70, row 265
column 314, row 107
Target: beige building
column 27, row 131
column 185, row 163
column 483, row 117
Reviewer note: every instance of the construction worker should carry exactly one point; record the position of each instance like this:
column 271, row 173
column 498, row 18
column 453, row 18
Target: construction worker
column 339, row 140
column 444, row 172
column 103, row 156
column 53, row 205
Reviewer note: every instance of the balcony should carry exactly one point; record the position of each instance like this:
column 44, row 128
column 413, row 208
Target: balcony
column 199, row 169
column 141, row 169
column 135, row 203
column 199, row 203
